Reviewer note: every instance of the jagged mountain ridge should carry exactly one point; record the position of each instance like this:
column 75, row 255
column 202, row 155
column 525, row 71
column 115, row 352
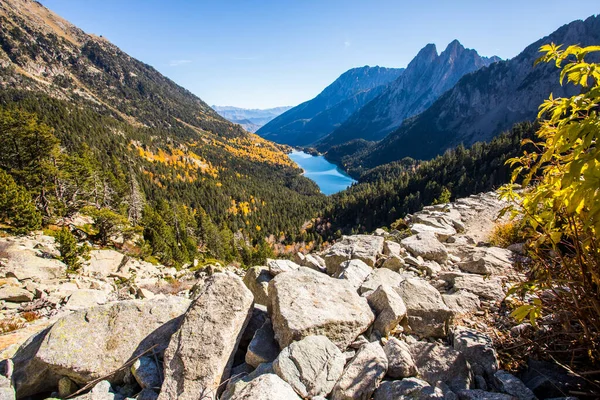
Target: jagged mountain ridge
column 250, row 119
column 483, row 103
column 426, row 77
column 313, row 119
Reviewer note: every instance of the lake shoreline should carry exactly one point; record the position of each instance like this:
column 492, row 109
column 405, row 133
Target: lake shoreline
column 329, row 177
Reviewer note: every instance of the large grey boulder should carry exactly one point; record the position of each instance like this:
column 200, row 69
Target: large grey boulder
column 311, row 261
column 15, row 294
column 408, row 389
column 358, row 247
column 263, row 348
column 102, row 263
column 389, row 308
column 92, row 343
column 305, row 303
column 354, row 272
column 427, row 313
column 311, row 366
column 436, row 362
column 381, row 276
column 277, row 267
column 200, row 354
column 86, row 298
column 391, row 248
column 362, row 374
column 427, row 246
column 485, row 288
column 400, row 361
column 441, row 232
column 257, row 280
column 488, row 261
column 22, row 261
column 478, row 349
column 512, row 385
column 266, row 387
column 241, row 376
column 462, row 302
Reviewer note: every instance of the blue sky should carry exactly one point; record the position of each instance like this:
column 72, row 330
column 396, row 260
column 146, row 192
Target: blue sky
column 259, row 54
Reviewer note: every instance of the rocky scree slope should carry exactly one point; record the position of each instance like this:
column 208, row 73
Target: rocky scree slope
column 369, row 317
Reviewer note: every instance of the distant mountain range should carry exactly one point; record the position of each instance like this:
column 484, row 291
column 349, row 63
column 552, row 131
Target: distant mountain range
column 311, row 120
column 250, row 119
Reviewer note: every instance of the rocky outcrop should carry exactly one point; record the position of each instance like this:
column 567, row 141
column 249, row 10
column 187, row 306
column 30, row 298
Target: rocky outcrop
column 358, row 247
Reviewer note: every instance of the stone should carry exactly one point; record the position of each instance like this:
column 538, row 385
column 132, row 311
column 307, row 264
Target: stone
column 442, row 233
column 147, row 394
column 263, row 348
column 258, row 318
column 381, row 276
column 427, row 246
column 391, row 248
column 490, row 288
column 478, row 349
column 462, row 302
column 389, row 308
column 102, row 391
column 266, row 387
column 380, row 232
column 400, row 361
column 86, row 298
column 311, row 366
column 431, row 268
column 240, row 379
column 428, row 316
column 305, row 303
column 395, row 263
column 21, row 261
column 547, row 379
column 92, row 343
column 488, row 261
column 200, row 354
column 358, row 247
column 436, row 362
column 353, row 271
column 512, row 385
column 478, row 394
column 66, row 387
column 15, row 294
column 102, row 263
column 277, row 267
column 362, row 374
column 311, row 261
column 257, row 280
column 408, row 389
column 146, row 373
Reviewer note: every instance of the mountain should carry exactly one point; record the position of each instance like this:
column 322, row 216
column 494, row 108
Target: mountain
column 131, row 141
column 482, row 104
column 426, row 77
column 311, row 120
column 250, row 119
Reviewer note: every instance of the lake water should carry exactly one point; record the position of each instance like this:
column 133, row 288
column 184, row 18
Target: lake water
column 329, row 177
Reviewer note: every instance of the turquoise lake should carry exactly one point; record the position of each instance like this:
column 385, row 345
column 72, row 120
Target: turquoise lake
column 329, row 177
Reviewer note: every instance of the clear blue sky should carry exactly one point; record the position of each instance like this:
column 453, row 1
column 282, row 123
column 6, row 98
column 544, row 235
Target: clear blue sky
column 259, row 54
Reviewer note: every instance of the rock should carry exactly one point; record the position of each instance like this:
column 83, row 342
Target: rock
column 478, row 349
column 358, row 247
column 431, row 268
column 547, row 379
column 427, row 246
column 276, row 267
column 478, row 394
column 15, row 294
column 400, row 361
column 427, row 313
column 391, row 248
column 102, row 263
column 311, row 366
column 200, row 354
column 395, row 263
column 488, row 261
column 147, row 394
column 490, row 288
column 146, row 373
column 86, row 298
column 311, row 261
column 408, row 389
column 389, row 308
column 362, row 374
column 305, row 303
column 436, row 362
column 102, row 391
column 380, row 232
column 240, row 379
column 381, row 276
column 512, row 385
column 66, row 387
column 258, row 318
column 21, row 261
column 92, row 343
column 257, row 280
column 442, row 233
column 263, row 348
column 462, row 302
column 353, row 271
column 266, row 387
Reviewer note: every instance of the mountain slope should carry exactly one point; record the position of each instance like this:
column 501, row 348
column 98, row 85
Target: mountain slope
column 426, row 77
column 250, row 119
column 311, row 120
column 483, row 103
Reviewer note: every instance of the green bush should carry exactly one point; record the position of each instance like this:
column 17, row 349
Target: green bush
column 16, row 206
column 70, row 252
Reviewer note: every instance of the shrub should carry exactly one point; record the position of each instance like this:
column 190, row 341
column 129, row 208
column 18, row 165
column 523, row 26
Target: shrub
column 506, row 233
column 16, row 206
column 70, row 252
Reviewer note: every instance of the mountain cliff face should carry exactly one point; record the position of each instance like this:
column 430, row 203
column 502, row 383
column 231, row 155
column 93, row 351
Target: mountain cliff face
column 310, row 121
column 483, row 103
column 250, row 119
column 426, row 77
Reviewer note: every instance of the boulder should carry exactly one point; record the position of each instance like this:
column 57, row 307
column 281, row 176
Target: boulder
column 408, row 389
column 311, row 261
column 442, row 233
column 478, row 349
column 86, row 298
column 362, row 374
column 391, row 248
column 266, row 387
column 513, row 386
column 395, row 263
column 428, row 316
column 146, row 373
column 241, row 376
column 201, row 352
column 263, row 348
column 353, row 271
column 15, row 294
column 359, row 247
column 547, row 379
column 462, row 302
column 488, row 261
column 400, row 361
column 381, row 276
column 427, row 246
column 305, row 303
column 92, row 343
column 102, row 391
column 257, row 280
column 23, row 262
column 277, row 267
column 389, row 309
column 311, row 366
column 436, row 362
column 6, row 390
column 102, row 263
column 489, row 289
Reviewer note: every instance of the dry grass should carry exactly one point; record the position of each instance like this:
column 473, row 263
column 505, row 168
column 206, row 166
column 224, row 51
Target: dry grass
column 506, row 233
column 10, row 325
column 30, row 316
